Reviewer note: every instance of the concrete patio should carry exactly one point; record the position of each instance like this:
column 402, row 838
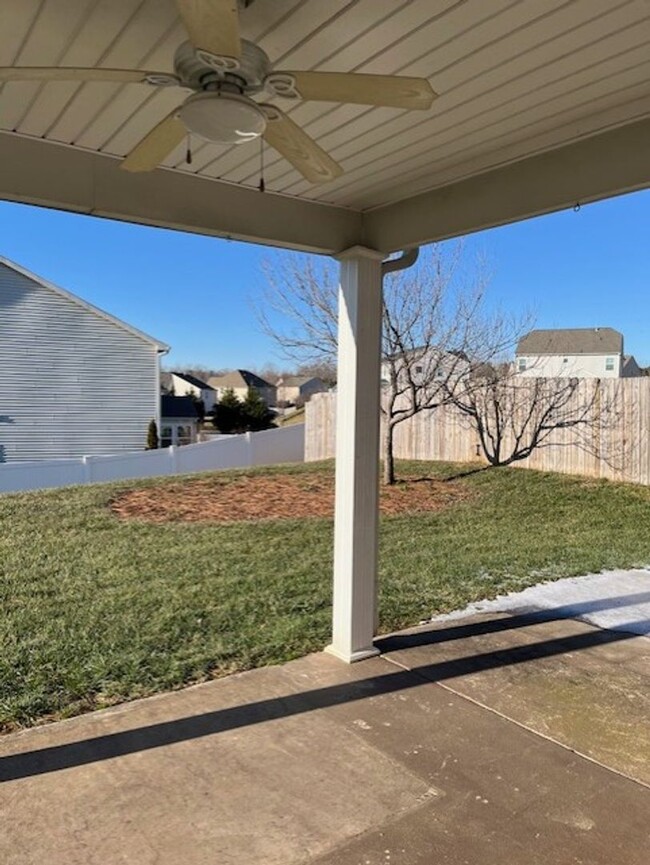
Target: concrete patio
column 499, row 738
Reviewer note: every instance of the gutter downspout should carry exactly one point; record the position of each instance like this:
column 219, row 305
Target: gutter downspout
column 406, row 259
column 158, row 403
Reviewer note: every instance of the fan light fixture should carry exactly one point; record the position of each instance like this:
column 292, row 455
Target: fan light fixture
column 224, row 118
column 226, row 74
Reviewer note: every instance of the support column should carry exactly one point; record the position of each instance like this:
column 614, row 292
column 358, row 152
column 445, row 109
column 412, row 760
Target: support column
column 356, row 521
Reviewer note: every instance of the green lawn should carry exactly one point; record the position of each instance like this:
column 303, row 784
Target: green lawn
column 295, row 417
column 95, row 610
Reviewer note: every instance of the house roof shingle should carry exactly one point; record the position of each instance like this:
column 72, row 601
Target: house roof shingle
column 581, row 340
column 177, row 407
column 193, row 380
column 296, row 380
column 238, row 378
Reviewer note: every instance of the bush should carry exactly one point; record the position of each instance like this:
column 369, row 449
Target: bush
column 231, row 415
column 256, row 415
column 153, row 442
column 227, row 413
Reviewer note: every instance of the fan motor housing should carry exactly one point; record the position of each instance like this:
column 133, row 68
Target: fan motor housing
column 195, row 73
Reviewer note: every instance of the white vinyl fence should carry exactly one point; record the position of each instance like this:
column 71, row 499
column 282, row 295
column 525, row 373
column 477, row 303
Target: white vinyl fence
column 284, row 445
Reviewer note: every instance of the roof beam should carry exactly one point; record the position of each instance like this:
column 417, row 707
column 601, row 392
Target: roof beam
column 52, row 175
column 601, row 166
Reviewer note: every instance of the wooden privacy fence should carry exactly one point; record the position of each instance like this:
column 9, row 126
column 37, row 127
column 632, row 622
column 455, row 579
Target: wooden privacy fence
column 615, row 446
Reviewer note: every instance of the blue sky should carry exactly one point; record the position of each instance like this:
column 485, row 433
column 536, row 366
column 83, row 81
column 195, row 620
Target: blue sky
column 590, row 268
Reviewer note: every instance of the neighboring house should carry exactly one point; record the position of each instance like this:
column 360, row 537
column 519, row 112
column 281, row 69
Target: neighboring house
column 239, row 381
column 589, row 352
column 427, row 366
column 179, row 420
column 74, row 380
column 183, row 384
column 631, row 368
column 296, row 388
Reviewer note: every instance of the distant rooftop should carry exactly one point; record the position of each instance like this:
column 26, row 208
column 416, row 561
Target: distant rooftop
column 177, row 407
column 582, row 340
column 238, row 378
column 193, row 380
column 296, row 380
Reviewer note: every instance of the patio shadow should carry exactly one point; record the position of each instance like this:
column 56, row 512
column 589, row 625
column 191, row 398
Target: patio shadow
column 66, row 756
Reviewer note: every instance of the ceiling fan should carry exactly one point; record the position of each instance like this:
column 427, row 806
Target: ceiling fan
column 224, row 72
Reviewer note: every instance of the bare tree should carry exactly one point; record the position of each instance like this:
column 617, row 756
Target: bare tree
column 197, row 370
column 432, row 328
column 514, row 415
column 324, row 371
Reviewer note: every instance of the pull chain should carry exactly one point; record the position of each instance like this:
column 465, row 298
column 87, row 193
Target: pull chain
column 262, row 186
column 188, row 153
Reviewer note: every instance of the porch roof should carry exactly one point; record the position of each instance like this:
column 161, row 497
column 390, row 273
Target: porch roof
column 541, row 105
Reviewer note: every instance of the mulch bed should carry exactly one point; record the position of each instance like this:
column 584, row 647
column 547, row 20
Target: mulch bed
column 273, row 497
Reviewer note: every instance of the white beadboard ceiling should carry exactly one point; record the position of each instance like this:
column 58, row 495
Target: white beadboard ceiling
column 515, row 78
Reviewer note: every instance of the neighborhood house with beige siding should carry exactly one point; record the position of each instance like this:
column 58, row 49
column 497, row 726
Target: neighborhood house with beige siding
column 239, row 381
column 297, row 388
column 74, row 380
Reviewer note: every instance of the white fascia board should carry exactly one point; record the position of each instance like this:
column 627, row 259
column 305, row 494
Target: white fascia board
column 161, row 347
column 38, row 172
column 601, row 166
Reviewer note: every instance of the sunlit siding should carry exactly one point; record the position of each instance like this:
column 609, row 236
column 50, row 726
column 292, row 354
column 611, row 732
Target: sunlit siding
column 71, row 381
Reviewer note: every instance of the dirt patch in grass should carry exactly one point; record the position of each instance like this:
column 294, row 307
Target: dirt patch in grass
column 273, row 497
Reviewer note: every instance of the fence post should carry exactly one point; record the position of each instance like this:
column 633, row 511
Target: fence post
column 87, row 473
column 249, row 448
column 173, row 466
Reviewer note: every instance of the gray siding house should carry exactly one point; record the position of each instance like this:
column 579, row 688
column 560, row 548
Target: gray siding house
column 74, row 380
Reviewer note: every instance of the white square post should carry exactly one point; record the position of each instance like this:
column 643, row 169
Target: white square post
column 356, row 521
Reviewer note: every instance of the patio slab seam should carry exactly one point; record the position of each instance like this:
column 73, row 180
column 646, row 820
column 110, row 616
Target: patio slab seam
column 511, row 690
column 519, row 724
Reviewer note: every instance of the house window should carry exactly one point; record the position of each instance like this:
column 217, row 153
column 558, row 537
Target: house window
column 522, row 364
column 609, row 364
column 184, row 435
column 565, row 360
column 440, row 372
column 165, row 437
column 418, row 370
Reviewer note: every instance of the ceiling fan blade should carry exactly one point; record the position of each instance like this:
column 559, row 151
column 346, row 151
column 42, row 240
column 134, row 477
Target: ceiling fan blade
column 212, row 25
column 390, row 91
column 77, row 73
column 156, row 145
column 298, row 148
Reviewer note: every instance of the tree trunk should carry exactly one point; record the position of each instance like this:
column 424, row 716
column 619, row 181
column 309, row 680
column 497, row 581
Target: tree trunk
column 388, row 476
